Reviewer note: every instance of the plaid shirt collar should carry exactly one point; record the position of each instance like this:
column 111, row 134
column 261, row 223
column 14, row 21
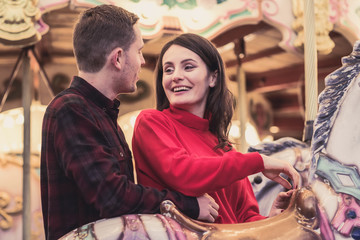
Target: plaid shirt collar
column 95, row 96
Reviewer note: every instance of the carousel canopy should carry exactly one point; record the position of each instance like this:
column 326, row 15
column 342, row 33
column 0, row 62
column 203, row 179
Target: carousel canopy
column 267, row 34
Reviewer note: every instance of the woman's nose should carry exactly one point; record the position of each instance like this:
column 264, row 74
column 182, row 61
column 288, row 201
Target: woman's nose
column 177, row 75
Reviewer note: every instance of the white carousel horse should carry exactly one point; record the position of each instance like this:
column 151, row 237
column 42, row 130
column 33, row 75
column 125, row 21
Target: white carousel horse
column 296, row 152
column 327, row 208
column 335, row 177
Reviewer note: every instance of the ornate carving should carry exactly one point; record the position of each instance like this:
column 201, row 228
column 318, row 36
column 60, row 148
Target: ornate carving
column 17, row 19
column 37, row 231
column 323, row 26
column 6, row 212
column 17, row 160
column 11, row 202
column 84, row 232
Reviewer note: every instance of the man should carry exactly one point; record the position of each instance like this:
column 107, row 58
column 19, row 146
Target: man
column 86, row 167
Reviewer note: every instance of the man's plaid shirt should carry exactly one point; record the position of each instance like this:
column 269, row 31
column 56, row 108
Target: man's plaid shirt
column 86, row 165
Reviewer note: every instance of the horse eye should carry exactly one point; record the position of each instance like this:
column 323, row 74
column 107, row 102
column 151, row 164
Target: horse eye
column 258, row 179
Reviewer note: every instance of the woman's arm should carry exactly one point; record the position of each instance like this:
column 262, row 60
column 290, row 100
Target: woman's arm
column 160, row 156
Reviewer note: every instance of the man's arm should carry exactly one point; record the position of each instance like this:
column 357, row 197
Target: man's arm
column 98, row 170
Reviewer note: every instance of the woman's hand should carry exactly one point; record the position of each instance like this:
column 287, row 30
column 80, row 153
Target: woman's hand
column 273, row 168
column 281, row 203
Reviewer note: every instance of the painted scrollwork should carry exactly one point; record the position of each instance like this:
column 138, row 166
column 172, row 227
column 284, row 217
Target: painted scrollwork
column 17, row 19
column 269, row 7
column 7, row 211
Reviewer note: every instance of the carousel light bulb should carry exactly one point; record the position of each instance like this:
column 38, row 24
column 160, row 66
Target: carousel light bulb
column 274, row 129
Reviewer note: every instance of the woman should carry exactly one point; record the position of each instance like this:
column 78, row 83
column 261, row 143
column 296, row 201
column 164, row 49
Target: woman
column 183, row 145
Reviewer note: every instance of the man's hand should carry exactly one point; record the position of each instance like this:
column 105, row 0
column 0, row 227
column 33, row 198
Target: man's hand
column 208, row 208
column 281, row 203
column 273, row 168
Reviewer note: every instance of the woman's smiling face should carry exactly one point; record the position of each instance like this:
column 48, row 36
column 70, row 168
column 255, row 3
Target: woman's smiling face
column 186, row 80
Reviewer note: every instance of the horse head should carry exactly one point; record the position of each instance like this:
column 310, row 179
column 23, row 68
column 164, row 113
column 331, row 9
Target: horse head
column 334, row 173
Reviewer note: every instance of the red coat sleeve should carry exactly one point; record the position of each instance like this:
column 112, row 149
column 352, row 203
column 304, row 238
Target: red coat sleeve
column 162, row 157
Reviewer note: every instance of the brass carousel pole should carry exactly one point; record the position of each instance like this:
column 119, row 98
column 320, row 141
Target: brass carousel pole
column 26, row 102
column 239, row 50
column 22, row 33
column 311, row 74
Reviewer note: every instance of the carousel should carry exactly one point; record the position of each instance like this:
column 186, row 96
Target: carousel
column 293, row 67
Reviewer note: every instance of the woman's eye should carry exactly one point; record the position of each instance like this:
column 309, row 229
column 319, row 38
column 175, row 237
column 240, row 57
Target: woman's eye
column 189, row 67
column 168, row 70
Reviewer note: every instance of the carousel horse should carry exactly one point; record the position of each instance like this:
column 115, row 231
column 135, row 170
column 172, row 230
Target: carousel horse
column 296, row 222
column 296, row 152
column 334, row 174
column 327, row 207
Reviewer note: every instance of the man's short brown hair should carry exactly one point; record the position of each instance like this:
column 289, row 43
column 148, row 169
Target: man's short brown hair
column 100, row 30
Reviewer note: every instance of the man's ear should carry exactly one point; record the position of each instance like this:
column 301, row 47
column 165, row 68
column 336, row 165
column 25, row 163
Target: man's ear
column 213, row 79
column 116, row 57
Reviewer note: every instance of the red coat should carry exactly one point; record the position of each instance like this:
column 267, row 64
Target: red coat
column 174, row 149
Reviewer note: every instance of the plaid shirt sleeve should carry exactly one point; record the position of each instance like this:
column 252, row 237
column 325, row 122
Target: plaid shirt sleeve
column 85, row 158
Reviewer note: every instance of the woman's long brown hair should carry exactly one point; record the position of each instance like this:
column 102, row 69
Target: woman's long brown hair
column 219, row 105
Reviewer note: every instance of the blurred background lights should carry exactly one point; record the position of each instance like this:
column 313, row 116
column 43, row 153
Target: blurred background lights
column 274, row 129
column 11, row 130
column 251, row 135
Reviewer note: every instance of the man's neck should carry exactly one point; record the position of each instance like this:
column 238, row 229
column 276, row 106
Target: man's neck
column 97, row 81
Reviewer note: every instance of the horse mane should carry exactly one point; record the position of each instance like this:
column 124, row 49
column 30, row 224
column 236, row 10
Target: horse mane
column 337, row 84
column 269, row 148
